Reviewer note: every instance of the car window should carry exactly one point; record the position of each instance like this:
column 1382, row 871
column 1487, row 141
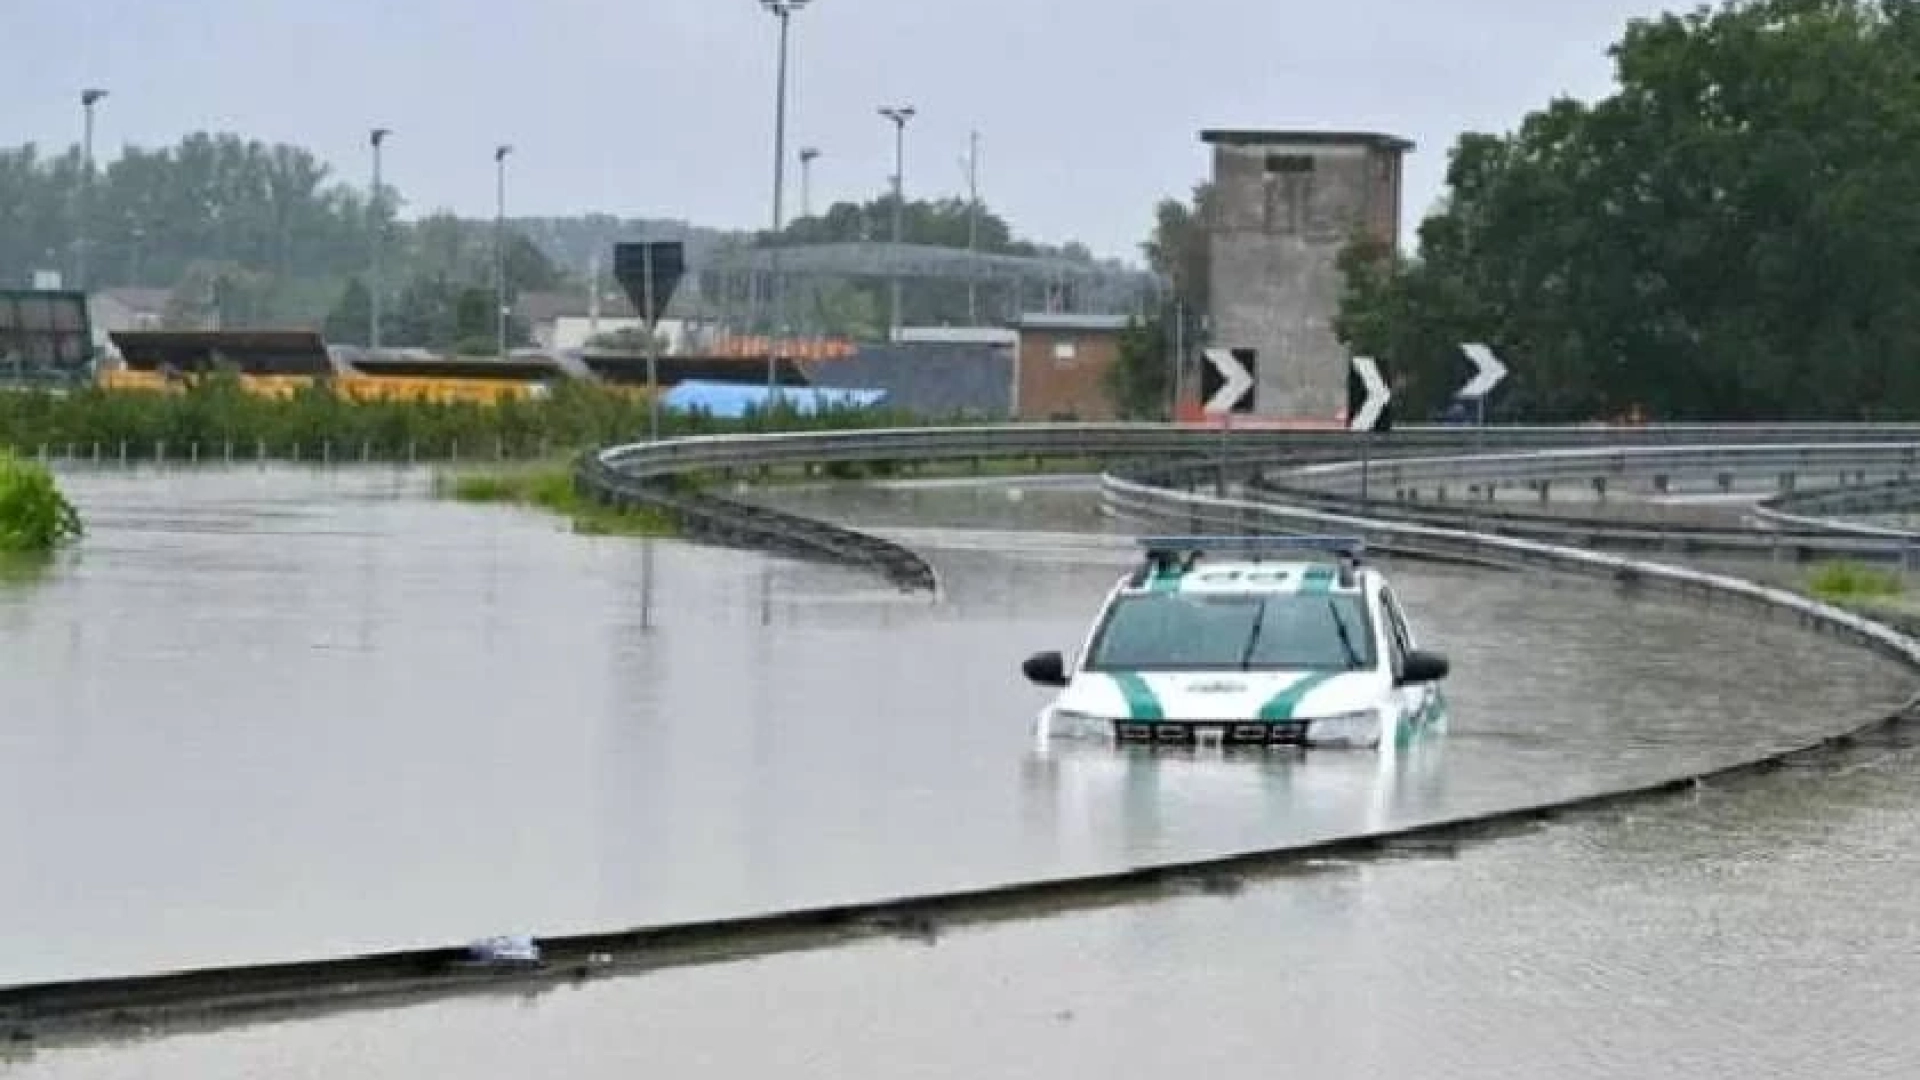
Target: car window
column 1173, row 631
column 1400, row 639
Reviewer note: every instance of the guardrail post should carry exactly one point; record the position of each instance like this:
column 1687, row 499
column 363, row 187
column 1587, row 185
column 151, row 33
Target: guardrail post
column 1662, row 483
column 1545, row 488
column 1600, row 487
column 193, row 452
column 1725, row 480
column 1786, row 481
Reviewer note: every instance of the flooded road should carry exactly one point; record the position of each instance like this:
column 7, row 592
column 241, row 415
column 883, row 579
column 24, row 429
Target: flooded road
column 267, row 714
column 1764, row 931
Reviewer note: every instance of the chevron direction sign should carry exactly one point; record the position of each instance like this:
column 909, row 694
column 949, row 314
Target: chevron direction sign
column 1226, row 383
column 1369, row 413
column 1488, row 371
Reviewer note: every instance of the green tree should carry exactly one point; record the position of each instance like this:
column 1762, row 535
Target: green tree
column 1139, row 383
column 351, row 319
column 1731, row 234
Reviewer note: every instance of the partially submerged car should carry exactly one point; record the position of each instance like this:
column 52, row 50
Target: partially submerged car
column 1272, row 641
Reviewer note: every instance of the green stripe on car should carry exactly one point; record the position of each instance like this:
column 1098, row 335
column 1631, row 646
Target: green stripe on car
column 1142, row 703
column 1317, row 579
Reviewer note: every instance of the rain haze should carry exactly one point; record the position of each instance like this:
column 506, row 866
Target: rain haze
column 1088, row 110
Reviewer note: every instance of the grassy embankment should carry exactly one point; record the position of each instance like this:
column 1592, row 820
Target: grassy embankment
column 1851, row 584
column 549, row 486
column 35, row 516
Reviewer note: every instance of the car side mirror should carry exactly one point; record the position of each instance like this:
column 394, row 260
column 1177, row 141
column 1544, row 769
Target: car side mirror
column 1046, row 669
column 1423, row 667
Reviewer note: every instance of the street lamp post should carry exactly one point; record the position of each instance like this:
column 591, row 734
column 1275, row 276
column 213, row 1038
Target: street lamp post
column 500, row 242
column 376, row 138
column 88, row 98
column 782, row 10
column 899, row 115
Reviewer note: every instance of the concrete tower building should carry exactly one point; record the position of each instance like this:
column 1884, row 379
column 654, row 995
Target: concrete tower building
column 1285, row 204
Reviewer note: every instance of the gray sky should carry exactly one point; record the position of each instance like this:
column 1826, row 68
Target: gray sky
column 1088, row 110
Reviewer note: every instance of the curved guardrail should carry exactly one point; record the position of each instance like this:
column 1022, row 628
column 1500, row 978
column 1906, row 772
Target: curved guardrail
column 656, row 474
column 1790, row 538
column 1819, row 510
column 1478, row 475
column 112, row 1005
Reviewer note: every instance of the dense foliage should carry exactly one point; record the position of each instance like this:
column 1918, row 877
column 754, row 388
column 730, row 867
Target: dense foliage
column 35, row 517
column 1732, row 234
column 215, row 412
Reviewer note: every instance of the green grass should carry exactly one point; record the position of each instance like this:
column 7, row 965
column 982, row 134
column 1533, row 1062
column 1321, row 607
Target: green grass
column 35, row 516
column 550, row 487
column 1849, row 581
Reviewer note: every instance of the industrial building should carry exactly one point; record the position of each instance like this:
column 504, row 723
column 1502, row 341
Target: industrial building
column 1285, row 204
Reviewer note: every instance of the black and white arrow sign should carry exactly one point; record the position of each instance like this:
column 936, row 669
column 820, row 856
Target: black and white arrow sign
column 1488, row 371
column 1227, row 382
column 1367, row 416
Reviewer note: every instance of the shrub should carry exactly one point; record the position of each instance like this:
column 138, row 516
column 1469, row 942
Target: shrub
column 35, row 517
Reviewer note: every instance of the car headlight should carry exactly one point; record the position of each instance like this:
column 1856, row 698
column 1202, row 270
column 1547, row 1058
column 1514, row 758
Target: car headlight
column 1073, row 721
column 1360, row 727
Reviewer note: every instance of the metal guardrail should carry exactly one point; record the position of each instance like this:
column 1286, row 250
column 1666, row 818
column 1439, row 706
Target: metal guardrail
column 1820, row 509
column 1479, row 474
column 1794, row 540
column 656, row 474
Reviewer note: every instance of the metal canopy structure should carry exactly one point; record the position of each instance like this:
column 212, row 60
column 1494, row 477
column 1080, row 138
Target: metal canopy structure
column 1093, row 288
column 252, row 352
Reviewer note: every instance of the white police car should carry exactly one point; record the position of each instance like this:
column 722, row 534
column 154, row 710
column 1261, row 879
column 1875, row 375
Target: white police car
column 1269, row 647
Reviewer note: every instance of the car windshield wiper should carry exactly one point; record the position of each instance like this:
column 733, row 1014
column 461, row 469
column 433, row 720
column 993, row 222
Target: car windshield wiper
column 1253, row 638
column 1346, row 639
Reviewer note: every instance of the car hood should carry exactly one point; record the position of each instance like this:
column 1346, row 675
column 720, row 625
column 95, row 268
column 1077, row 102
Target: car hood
column 1221, row 695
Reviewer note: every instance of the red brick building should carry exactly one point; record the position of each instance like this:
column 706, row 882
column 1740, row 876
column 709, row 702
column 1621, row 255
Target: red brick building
column 1060, row 366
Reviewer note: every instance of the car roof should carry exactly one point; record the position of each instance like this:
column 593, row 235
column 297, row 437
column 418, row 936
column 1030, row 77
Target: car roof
column 1252, row 576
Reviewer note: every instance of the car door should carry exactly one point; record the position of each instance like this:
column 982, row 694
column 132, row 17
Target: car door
column 1409, row 701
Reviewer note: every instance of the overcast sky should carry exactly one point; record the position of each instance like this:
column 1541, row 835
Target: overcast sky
column 1089, row 110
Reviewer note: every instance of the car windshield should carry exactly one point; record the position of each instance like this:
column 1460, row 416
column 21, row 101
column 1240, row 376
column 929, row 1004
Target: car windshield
column 1241, row 631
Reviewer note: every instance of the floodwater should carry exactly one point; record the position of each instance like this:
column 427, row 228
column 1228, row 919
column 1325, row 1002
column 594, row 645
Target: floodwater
column 1761, row 931
column 265, row 714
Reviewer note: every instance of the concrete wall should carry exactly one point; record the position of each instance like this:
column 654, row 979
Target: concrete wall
column 1286, row 204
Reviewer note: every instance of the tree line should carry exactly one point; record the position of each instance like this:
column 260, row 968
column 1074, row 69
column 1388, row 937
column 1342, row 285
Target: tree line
column 1732, row 234
column 244, row 233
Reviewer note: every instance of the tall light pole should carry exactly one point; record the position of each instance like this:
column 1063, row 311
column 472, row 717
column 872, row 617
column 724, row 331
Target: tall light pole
column 500, row 241
column 973, row 224
column 807, row 154
column 375, row 138
column 88, row 98
column 899, row 114
column 782, row 10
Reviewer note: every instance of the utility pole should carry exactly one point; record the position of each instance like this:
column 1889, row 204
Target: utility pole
column 973, row 225
column 782, row 10
column 899, row 115
column 88, row 98
column 500, row 242
column 376, row 138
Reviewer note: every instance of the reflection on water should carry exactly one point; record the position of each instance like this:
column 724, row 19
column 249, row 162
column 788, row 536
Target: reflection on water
column 271, row 713
column 1764, row 930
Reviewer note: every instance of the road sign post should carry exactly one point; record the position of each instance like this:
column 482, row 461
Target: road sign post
column 1368, row 396
column 1488, row 372
column 1227, row 387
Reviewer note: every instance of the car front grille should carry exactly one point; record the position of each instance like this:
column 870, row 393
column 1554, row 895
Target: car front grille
column 1228, row 732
